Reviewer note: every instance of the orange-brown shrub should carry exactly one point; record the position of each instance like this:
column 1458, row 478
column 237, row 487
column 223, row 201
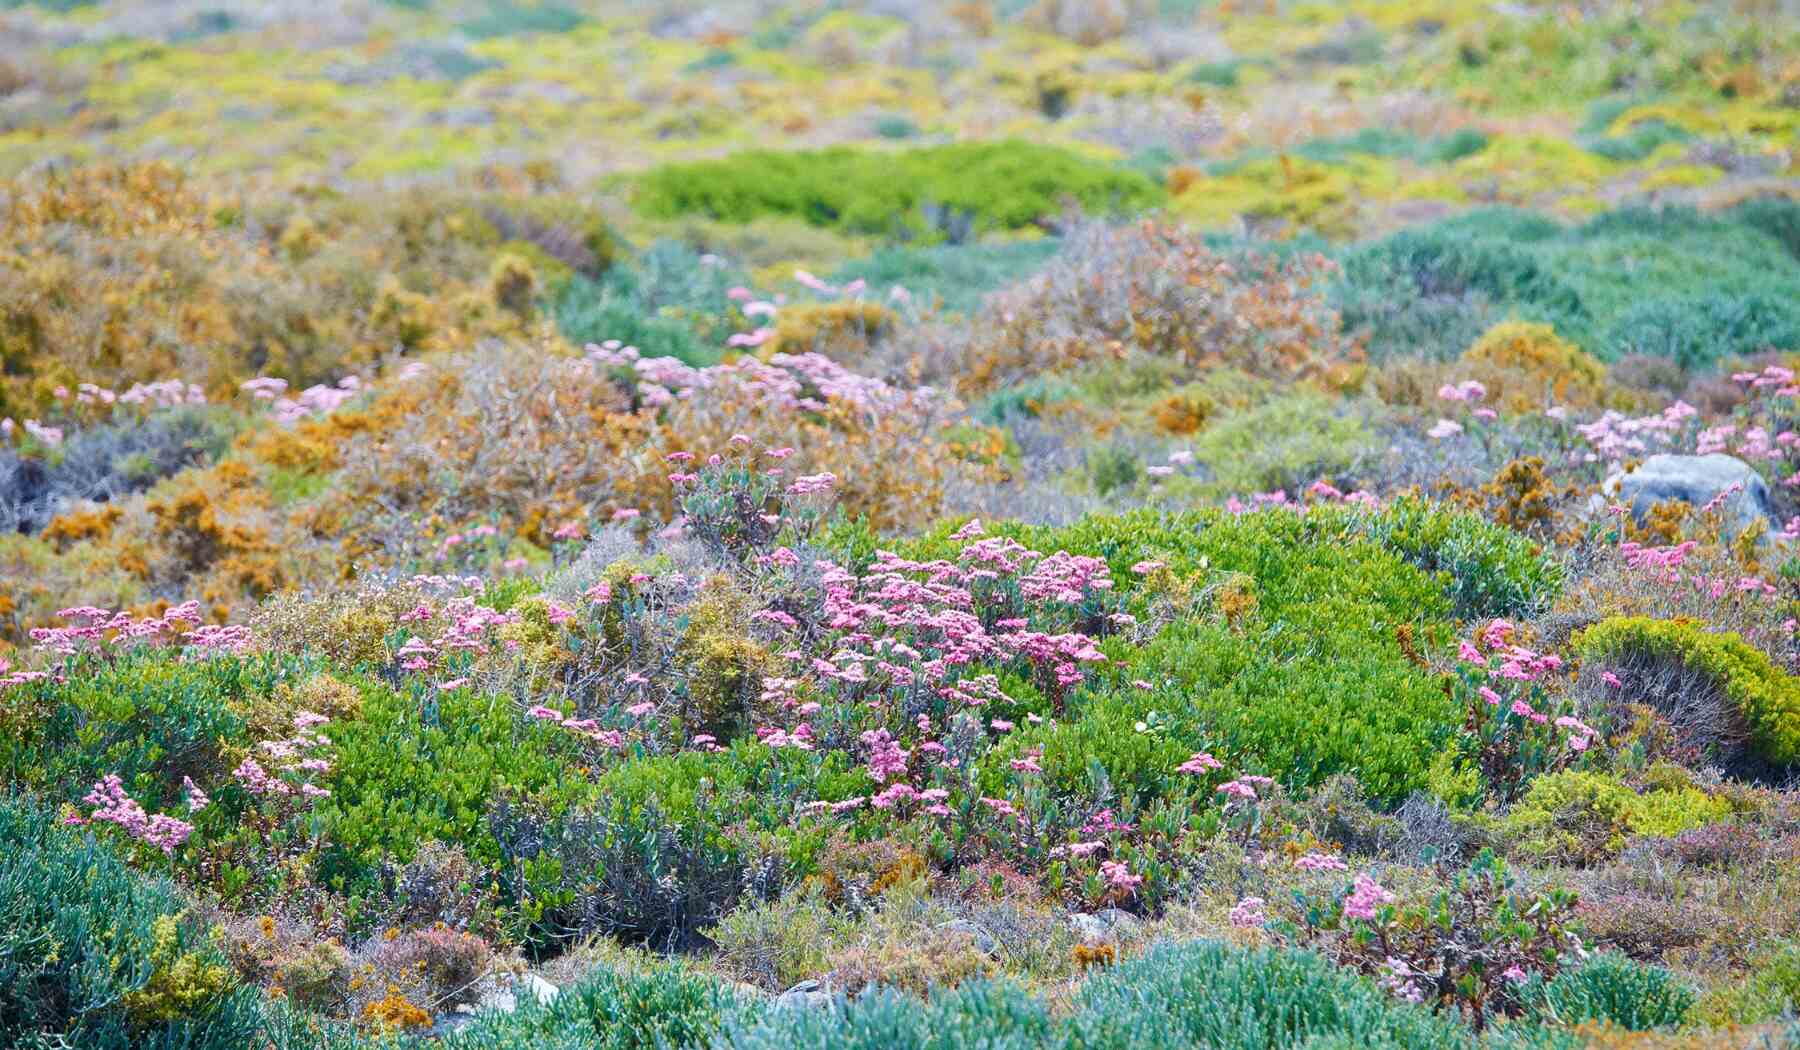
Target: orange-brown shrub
column 1144, row 288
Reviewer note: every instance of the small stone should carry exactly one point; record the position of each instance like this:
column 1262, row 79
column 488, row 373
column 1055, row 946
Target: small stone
column 1092, row 929
column 1118, row 921
column 531, row 986
column 984, row 941
column 807, row 995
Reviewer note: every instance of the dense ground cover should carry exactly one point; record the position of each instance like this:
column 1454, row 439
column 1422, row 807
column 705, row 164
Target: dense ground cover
column 1019, row 524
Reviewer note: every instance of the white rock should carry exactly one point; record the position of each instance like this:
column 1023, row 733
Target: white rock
column 531, row 986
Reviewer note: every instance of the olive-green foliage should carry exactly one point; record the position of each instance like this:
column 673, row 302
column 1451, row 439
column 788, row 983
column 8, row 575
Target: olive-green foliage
column 747, row 783
column 1765, row 697
column 993, row 1016
column 1613, row 989
column 1574, row 817
column 1187, row 996
column 1636, row 142
column 1672, row 282
column 664, row 850
column 513, row 18
column 1490, row 570
column 934, row 192
column 418, row 766
column 662, row 1009
column 95, row 955
column 149, row 716
column 1771, row 989
column 1385, row 142
column 1285, row 444
column 957, row 276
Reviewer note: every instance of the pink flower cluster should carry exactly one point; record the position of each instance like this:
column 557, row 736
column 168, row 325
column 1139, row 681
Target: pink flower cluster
column 808, row 381
column 297, row 758
column 99, row 627
column 114, row 806
column 1248, row 914
column 1366, row 895
column 318, row 400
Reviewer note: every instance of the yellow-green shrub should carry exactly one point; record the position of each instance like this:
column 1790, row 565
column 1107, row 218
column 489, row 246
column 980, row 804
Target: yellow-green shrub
column 1522, row 364
column 1575, row 817
column 1764, row 696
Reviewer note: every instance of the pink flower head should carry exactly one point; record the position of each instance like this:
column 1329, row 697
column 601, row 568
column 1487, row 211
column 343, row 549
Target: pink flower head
column 1199, row 764
column 1365, row 896
column 1119, row 876
column 1248, row 913
column 1321, row 862
column 1237, row 789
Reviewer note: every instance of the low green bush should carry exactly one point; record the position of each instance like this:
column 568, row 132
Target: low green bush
column 1211, row 994
column 662, row 1009
column 511, row 18
column 147, row 716
column 97, row 956
column 415, row 768
column 932, row 192
column 1575, row 817
column 992, row 1016
column 1490, row 570
column 1308, row 683
column 1612, row 989
column 1189, row 996
column 1771, row 989
column 958, row 276
column 1673, row 282
column 670, row 843
column 1765, row 697
column 666, row 302
column 1287, row 443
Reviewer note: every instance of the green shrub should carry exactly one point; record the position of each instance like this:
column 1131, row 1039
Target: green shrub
column 1700, row 330
column 1636, row 142
column 990, row 1015
column 671, row 844
column 665, row 1008
column 1612, row 989
column 149, row 717
column 1765, row 697
column 1573, row 817
column 1779, row 217
column 96, row 956
column 1210, row 994
column 418, row 768
column 1382, row 142
column 938, row 192
column 1696, row 288
column 1490, row 570
column 1313, row 683
column 1286, row 444
column 1436, row 289
column 513, row 18
column 665, row 302
column 1771, row 989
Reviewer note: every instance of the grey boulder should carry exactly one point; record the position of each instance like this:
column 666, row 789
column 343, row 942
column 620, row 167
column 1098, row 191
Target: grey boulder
column 1697, row 480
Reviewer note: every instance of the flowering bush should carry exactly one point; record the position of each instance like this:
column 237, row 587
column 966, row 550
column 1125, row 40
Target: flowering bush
column 1470, row 946
column 1516, row 728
